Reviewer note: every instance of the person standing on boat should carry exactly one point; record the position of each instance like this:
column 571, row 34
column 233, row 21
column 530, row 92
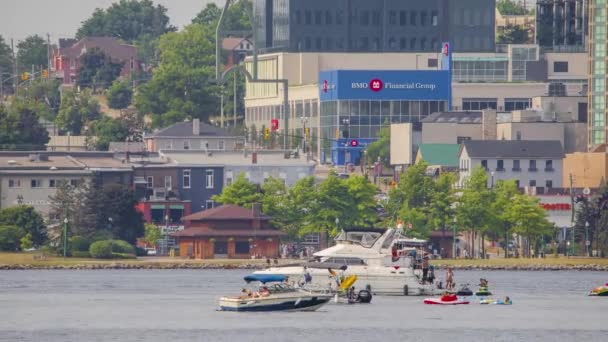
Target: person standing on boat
column 425, row 267
column 449, row 279
column 307, row 276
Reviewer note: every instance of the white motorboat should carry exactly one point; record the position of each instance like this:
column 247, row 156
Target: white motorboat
column 367, row 254
column 278, row 296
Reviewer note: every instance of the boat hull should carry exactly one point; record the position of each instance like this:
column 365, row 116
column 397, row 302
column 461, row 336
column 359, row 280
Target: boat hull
column 601, row 291
column 437, row 301
column 311, row 303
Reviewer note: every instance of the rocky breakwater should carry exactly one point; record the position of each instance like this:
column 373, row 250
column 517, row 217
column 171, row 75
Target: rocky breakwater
column 527, row 267
column 130, row 266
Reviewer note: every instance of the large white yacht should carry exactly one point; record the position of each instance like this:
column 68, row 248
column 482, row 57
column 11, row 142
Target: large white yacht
column 366, row 254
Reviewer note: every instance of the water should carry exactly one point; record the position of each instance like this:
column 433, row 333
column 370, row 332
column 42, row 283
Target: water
column 179, row 305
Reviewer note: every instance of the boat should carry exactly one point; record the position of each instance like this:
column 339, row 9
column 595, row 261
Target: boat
column 483, row 291
column 491, row 301
column 464, row 291
column 368, row 254
column 276, row 296
column 446, row 299
column 600, row 291
column 348, row 295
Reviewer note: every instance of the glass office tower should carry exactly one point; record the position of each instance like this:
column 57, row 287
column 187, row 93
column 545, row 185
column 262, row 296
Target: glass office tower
column 597, row 72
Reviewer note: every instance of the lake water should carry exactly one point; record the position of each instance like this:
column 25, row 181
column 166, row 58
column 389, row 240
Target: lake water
column 180, row 305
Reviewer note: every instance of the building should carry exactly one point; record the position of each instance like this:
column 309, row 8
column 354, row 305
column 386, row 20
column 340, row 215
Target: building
column 526, row 21
column 587, row 169
column 451, row 127
column 598, row 37
column 562, row 24
column 193, row 135
column 531, row 163
column 237, row 48
column 229, row 232
column 65, row 59
column 439, row 156
column 364, row 26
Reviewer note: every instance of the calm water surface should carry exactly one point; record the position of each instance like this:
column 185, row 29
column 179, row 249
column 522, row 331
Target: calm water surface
column 179, row 305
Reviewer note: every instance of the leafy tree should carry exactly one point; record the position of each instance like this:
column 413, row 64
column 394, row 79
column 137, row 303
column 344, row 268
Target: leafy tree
column 181, row 86
column 236, row 19
column 20, row 127
column 119, row 95
column 6, row 64
column 27, row 219
column 97, row 69
column 529, row 220
column 76, row 110
column 502, row 209
column 512, row 34
column 380, row 148
column 107, row 130
column 362, row 193
column 241, row 192
column 26, row 242
column 152, row 234
column 10, row 238
column 45, row 96
column 510, row 7
column 473, row 211
column 70, row 202
column 441, row 206
column 409, row 200
column 128, row 20
column 32, row 52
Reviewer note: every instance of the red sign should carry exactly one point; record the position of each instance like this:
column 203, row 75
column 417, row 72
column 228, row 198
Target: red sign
column 556, row 206
column 446, row 49
column 354, row 143
column 274, row 124
column 375, row 85
column 325, row 86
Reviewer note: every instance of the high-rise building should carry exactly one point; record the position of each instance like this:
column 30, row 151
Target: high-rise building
column 597, row 72
column 374, row 25
column 561, row 24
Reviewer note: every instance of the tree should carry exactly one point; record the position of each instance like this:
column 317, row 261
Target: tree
column 20, row 128
column 32, row 52
column 76, row 110
column 6, row 64
column 27, row 219
column 152, row 234
column 510, row 7
column 107, row 130
column 473, row 209
column 127, row 20
column 502, row 210
column 97, row 69
column 69, row 201
column 529, row 220
column 362, row 193
column 236, row 19
column 45, row 96
column 380, row 148
column 410, row 198
column 241, row 192
column 441, row 207
column 181, row 86
column 119, row 95
column 10, row 238
column 512, row 34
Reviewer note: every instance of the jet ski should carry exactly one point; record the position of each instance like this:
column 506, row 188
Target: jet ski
column 483, row 291
column 464, row 291
column 600, row 291
column 446, row 299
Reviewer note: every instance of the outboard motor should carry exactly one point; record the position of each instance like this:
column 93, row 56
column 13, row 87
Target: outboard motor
column 364, row 296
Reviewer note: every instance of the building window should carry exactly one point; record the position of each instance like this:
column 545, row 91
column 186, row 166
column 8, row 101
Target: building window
column 241, row 247
column 549, row 165
column 364, row 18
column 186, row 179
column 460, row 140
column 392, row 18
column 52, row 183
column 150, row 182
column 317, row 17
column 518, row 135
column 209, row 204
column 307, row 18
column 221, row 145
column 328, row 18
column 402, row 44
column 478, row 104
column 532, row 167
column 423, row 18
column 36, row 183
column 517, row 104
column 14, row 183
column 209, row 179
column 500, row 165
column 549, row 184
column 376, row 18
column 167, row 182
column 532, row 182
column 484, row 164
column 186, row 144
column 298, row 17
column 403, row 18
column 229, row 179
column 413, row 16
column 516, row 166
column 74, row 182
column 169, row 145
column 434, row 18
column 560, row 66
column 432, row 62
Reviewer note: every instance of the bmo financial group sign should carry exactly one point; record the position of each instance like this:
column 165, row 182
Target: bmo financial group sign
column 384, row 85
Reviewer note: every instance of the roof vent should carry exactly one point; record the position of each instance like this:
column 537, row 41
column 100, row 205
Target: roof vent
column 53, row 168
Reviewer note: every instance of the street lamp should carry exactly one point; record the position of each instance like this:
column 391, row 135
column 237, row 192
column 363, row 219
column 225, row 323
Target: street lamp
column 587, row 242
column 492, row 174
column 65, row 237
column 454, row 239
column 568, row 249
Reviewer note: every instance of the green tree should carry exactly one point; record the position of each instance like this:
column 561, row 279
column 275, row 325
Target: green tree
column 10, row 238
column 128, row 20
column 69, row 201
column 27, row 219
column 44, row 95
column 6, row 65
column 236, row 19
column 97, row 70
column 380, row 148
column 241, row 192
column 473, row 210
column 441, row 206
column 107, row 130
column 502, row 209
column 32, row 52
column 413, row 192
column 181, row 86
column 362, row 193
column 119, row 95
column 20, row 128
column 510, row 7
column 76, row 110
column 152, row 234
column 529, row 220
column 512, row 34
column 26, row 242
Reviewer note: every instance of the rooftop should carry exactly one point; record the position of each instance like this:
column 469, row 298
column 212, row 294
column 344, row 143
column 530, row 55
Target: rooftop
column 129, row 146
column 224, row 212
column 463, row 117
column 440, row 154
column 185, row 129
column 544, row 149
column 221, row 158
column 109, row 45
column 210, row 232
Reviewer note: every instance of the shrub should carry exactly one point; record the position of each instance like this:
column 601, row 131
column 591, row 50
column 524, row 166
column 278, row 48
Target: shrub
column 122, row 256
column 101, row 249
column 120, row 246
column 101, row 235
column 80, row 244
column 81, row 254
column 10, row 238
column 140, row 251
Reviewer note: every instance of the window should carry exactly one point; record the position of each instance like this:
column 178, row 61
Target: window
column 169, row 144
column 376, row 18
column 518, row 135
column 560, row 66
column 500, row 165
column 186, row 144
column 14, row 183
column 431, row 62
column 403, row 18
column 52, row 183
column 74, row 182
column 532, row 166
column 209, row 179
column 167, row 182
column 307, row 18
column 413, row 16
column 220, row 145
column 204, row 145
column 532, row 182
column 364, row 20
column 186, row 179
column 298, row 17
column 317, row 17
column 229, row 178
column 392, row 18
column 549, row 184
column 150, row 182
column 434, row 20
column 512, row 104
column 478, row 104
column 484, row 164
column 36, row 183
column 516, row 166
column 209, row 204
column 423, row 16
column 549, row 165
column 241, row 247
column 328, row 18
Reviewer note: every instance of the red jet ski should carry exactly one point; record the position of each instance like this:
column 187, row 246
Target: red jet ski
column 447, row 299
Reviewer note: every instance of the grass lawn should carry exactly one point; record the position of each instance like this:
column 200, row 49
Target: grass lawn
column 550, row 260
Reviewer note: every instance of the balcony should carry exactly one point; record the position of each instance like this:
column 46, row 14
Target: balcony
column 532, row 169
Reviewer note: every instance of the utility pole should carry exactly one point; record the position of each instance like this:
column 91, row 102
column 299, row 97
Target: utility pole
column 48, row 54
column 572, row 208
column 15, row 65
column 234, row 98
column 222, row 106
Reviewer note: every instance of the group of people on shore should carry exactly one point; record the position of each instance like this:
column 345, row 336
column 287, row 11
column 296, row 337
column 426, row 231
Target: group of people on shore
column 293, row 251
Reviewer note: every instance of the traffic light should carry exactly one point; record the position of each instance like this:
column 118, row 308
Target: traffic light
column 24, row 76
column 337, row 133
column 307, row 132
column 354, row 143
column 266, row 133
column 45, row 73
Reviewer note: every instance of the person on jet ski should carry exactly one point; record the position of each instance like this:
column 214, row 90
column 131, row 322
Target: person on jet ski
column 483, row 282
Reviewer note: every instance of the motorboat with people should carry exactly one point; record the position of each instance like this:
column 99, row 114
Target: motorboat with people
column 446, row 299
column 601, row 291
column 273, row 293
column 369, row 254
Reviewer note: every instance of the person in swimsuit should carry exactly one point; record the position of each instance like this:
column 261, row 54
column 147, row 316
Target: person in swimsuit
column 449, row 279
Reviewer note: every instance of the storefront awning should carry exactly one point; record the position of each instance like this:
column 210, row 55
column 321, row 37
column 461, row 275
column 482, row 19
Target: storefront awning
column 157, row 206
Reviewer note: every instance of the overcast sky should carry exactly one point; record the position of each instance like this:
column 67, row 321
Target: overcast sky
column 61, row 18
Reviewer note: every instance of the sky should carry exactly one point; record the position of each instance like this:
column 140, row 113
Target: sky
column 61, row 18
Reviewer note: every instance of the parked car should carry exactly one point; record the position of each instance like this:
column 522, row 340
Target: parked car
column 151, row 251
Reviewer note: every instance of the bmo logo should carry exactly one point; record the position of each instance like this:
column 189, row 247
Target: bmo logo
column 359, row 85
column 375, row 85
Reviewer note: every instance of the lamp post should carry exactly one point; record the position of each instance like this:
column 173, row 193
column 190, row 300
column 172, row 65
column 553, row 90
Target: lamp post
column 164, row 251
column 65, row 237
column 492, row 183
column 568, row 249
column 587, row 242
column 304, row 121
column 454, row 239
column 346, row 123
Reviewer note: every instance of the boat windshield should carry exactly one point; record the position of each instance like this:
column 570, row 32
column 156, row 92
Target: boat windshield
column 365, row 239
column 279, row 288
